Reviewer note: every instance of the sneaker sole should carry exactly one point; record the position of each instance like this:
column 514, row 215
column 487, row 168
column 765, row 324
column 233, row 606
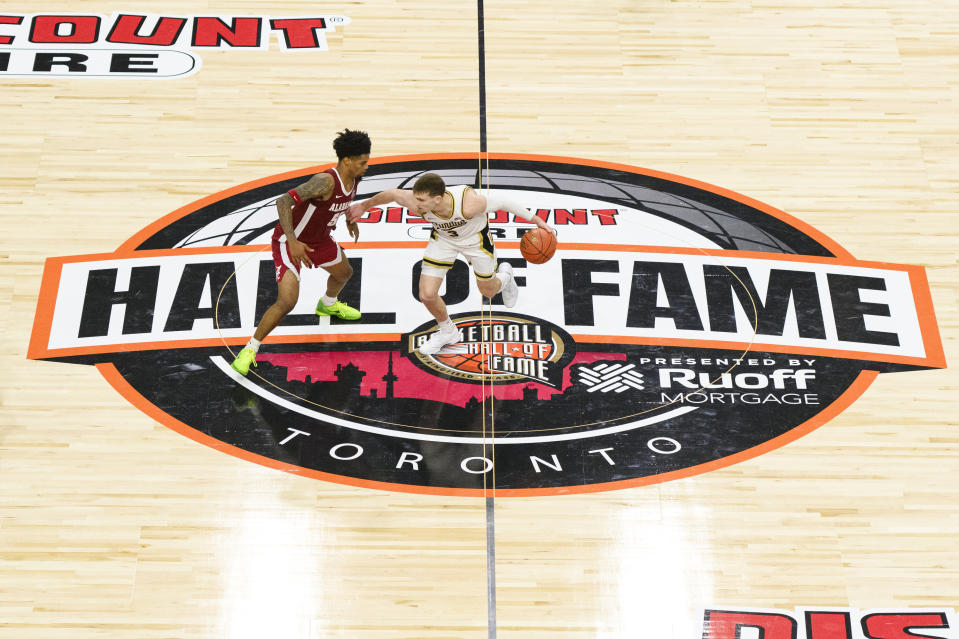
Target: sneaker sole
column 511, row 287
column 322, row 314
column 440, row 349
column 514, row 290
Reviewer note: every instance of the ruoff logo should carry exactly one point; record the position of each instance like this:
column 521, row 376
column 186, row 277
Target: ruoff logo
column 679, row 328
column 136, row 45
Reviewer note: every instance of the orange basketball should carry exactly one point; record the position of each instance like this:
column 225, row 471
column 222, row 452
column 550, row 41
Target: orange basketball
column 537, row 245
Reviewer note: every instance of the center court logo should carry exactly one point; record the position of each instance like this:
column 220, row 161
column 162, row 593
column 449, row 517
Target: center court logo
column 496, row 349
column 679, row 328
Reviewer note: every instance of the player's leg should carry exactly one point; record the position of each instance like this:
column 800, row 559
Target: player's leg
column 439, row 257
column 490, row 278
column 288, row 292
column 429, row 292
column 340, row 272
column 489, row 285
column 446, row 333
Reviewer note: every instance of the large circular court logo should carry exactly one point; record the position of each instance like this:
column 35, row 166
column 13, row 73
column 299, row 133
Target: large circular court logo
column 500, row 348
column 679, row 328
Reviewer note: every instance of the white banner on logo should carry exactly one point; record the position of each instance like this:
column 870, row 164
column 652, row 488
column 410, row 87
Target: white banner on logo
column 705, row 299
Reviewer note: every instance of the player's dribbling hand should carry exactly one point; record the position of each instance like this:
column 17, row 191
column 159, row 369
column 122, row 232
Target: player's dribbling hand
column 549, row 228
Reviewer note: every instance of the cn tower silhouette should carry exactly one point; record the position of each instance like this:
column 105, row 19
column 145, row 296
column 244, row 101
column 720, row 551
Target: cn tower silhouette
column 389, row 378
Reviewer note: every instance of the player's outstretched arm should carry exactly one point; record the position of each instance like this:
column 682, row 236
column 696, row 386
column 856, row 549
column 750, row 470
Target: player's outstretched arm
column 477, row 204
column 400, row 196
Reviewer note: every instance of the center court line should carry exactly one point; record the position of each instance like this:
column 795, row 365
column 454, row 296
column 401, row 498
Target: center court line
column 491, row 566
column 221, row 363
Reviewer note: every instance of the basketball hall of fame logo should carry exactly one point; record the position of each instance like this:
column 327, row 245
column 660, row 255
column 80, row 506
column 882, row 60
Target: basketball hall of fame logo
column 679, row 328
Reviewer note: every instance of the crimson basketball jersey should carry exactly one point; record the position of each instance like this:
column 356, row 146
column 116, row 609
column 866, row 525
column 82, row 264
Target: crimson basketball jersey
column 314, row 219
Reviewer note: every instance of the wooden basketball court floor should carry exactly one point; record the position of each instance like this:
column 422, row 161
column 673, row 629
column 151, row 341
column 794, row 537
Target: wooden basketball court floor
column 842, row 114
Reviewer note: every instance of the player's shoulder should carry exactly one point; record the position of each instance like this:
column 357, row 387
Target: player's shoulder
column 473, row 201
column 323, row 177
column 464, row 192
column 320, row 185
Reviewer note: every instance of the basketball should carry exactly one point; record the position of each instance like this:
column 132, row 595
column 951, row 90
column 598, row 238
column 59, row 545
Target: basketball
column 537, row 245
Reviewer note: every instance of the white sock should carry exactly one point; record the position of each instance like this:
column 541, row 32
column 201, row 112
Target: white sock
column 254, row 344
column 326, row 300
column 447, row 326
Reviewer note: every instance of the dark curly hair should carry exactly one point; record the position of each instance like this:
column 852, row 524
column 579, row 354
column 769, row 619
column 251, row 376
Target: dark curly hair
column 348, row 144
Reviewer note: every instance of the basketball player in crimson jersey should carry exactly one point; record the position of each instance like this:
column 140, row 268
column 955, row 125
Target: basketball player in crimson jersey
column 302, row 238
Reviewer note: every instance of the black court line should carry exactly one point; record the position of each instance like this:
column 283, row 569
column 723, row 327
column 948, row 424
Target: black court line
column 490, row 505
column 491, row 566
column 482, row 73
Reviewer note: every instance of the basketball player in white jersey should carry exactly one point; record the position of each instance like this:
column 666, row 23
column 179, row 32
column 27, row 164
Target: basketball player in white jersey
column 460, row 219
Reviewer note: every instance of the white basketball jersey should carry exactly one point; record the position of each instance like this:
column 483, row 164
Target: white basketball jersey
column 457, row 228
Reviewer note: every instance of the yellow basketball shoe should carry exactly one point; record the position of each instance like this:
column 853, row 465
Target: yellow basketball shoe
column 339, row 309
column 243, row 360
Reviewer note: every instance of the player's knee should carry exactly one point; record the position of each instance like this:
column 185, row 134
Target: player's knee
column 342, row 272
column 285, row 303
column 489, row 288
column 428, row 296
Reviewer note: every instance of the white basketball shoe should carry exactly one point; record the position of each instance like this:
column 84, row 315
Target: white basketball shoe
column 438, row 340
column 510, row 291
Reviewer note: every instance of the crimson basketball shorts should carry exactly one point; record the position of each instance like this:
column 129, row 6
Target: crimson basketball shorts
column 325, row 253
